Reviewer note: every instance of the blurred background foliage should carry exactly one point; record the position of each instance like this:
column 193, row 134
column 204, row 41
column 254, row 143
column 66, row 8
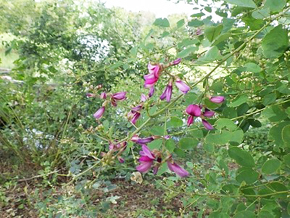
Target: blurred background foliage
column 54, row 52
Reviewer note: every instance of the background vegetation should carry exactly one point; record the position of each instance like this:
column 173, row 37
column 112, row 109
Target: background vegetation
column 51, row 147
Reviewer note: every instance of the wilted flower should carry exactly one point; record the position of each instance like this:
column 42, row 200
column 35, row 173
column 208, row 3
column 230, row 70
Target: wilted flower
column 217, row 99
column 143, row 141
column 174, row 167
column 119, row 96
column 90, row 95
column 182, row 86
column 177, row 61
column 121, row 160
column 134, row 114
column 99, row 113
column 167, row 92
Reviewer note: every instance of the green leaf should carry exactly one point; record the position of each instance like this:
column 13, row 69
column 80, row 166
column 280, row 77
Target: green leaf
column 269, row 99
column 271, row 166
column 179, row 152
column 227, row 123
column 241, row 99
column 157, row 130
column 242, row 157
column 188, row 143
column 161, row 22
column 275, row 5
column 243, row 3
column 275, row 133
column 261, row 13
column 286, row 160
column 248, row 175
column 156, row 144
column 211, row 55
column 162, row 169
column 180, row 23
column 197, row 14
column 286, row 135
column 212, row 32
column 175, row 122
column 274, row 113
column 252, row 67
column 195, row 23
column 170, row 145
column 187, row 52
column 275, row 42
column 245, row 214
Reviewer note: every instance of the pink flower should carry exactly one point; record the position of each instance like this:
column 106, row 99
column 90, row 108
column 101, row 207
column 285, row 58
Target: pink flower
column 153, row 76
column 119, row 96
column 217, row 99
column 167, row 92
column 177, row 169
column 143, row 141
column 147, row 158
column 121, row 160
column 134, row 114
column 99, row 113
column 193, row 110
column 182, row 86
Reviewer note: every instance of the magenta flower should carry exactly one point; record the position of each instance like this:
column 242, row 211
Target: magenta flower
column 193, row 110
column 147, row 158
column 99, row 113
column 167, row 92
column 217, row 99
column 121, row 160
column 119, row 96
column 154, row 69
column 182, row 86
column 177, row 169
column 207, row 125
column 153, row 76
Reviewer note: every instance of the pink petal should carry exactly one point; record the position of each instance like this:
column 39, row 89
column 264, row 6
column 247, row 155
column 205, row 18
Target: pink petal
column 190, row 120
column 143, row 97
column 207, row 125
column 103, row 95
column 145, row 159
column 182, row 86
column 144, row 167
column 217, row 99
column 177, row 61
column 177, row 169
column 135, row 118
column 99, row 113
column 119, row 96
column 193, row 110
column 151, row 92
column 147, row 152
column 208, row 113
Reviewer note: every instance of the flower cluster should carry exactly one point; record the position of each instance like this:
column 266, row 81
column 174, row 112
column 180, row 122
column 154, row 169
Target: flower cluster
column 148, row 159
column 119, row 96
column 194, row 110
